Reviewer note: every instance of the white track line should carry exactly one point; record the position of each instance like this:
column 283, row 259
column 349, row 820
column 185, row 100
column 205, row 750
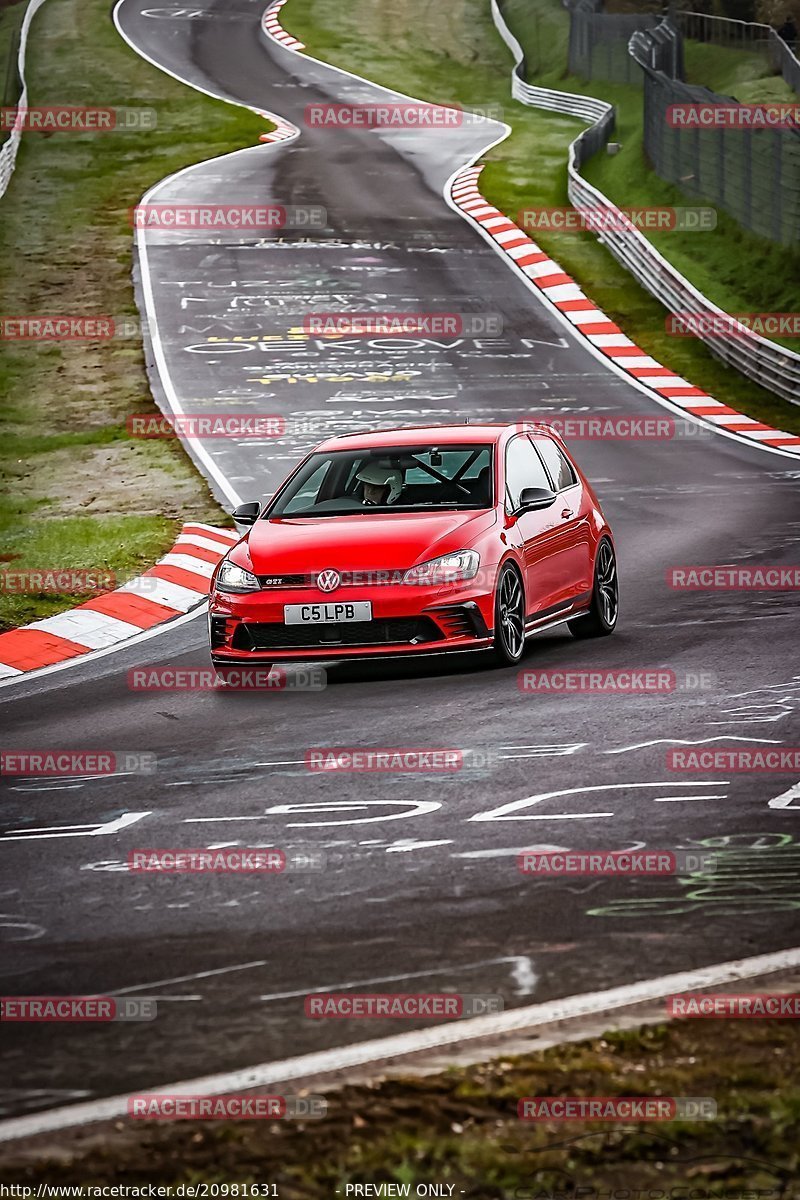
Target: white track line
column 79, row 661
column 434, row 1037
column 170, row 391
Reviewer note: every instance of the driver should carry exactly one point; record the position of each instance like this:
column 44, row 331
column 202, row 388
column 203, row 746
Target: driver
column 381, row 484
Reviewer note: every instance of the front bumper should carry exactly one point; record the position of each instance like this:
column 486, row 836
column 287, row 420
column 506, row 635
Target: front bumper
column 406, row 620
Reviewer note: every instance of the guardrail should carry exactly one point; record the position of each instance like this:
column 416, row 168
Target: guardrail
column 8, row 150
column 765, row 362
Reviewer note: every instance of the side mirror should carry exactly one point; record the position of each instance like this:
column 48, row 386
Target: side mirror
column 534, row 498
column 247, row 514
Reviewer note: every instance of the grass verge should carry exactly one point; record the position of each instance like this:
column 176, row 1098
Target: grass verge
column 455, row 54
column 460, row 1128
column 76, row 489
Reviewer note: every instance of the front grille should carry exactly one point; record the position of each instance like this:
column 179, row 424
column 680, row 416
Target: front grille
column 377, row 577
column 286, row 581
column 259, row 635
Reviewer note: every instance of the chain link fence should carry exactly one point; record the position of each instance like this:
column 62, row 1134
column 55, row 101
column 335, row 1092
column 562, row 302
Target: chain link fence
column 598, row 42
column 751, row 173
column 765, row 362
column 742, row 35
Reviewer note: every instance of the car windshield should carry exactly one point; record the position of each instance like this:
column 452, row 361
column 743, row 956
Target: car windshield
column 387, row 480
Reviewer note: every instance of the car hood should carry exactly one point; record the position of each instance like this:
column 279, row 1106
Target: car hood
column 359, row 542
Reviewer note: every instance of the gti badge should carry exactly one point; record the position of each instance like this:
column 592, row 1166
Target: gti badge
column 328, row 581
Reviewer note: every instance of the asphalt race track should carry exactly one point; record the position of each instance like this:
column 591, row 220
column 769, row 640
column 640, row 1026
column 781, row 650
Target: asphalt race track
column 420, row 889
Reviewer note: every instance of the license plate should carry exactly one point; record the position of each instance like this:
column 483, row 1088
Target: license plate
column 333, row 612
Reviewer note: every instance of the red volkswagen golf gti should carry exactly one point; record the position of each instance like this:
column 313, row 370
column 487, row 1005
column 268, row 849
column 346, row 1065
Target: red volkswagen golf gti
column 417, row 541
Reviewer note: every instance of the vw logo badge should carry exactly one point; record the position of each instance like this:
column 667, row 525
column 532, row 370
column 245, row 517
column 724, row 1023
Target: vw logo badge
column 328, row 581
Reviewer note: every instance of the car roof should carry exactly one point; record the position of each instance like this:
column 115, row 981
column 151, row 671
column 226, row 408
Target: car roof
column 435, row 435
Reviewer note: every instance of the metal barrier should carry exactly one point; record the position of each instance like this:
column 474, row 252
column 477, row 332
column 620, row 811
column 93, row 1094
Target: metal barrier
column 753, row 174
column 8, row 150
column 765, row 362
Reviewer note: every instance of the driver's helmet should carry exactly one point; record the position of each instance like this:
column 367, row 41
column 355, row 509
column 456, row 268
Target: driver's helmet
column 381, row 475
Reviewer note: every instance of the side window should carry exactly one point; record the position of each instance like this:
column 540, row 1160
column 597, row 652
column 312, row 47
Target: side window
column 523, row 470
column 309, row 490
column 560, row 469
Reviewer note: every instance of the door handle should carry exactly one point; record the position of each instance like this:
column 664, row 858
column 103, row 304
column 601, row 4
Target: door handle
column 566, row 512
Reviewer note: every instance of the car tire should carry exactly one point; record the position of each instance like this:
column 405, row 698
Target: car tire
column 601, row 619
column 230, row 676
column 509, row 618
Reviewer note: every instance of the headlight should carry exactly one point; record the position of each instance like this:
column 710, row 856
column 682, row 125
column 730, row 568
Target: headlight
column 448, row 569
column 235, row 579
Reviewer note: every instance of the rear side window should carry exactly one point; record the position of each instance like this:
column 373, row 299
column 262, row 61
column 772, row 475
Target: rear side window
column 558, row 466
column 523, row 470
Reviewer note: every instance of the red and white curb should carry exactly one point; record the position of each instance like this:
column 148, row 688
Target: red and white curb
column 284, row 130
column 178, row 582
column 272, row 26
column 593, row 324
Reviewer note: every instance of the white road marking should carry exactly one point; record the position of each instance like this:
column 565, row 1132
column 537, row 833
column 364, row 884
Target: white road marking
column 419, row 808
column 513, row 806
column 508, row 851
column 543, row 751
column 785, row 799
column 522, row 969
column 691, row 742
column 675, row 799
column 47, row 832
column 406, row 844
column 396, row 1047
column 138, row 987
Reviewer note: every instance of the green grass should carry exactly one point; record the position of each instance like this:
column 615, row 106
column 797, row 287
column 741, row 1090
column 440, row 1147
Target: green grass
column 122, row 545
column 456, row 54
column 74, row 484
column 733, row 72
column 460, row 1127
